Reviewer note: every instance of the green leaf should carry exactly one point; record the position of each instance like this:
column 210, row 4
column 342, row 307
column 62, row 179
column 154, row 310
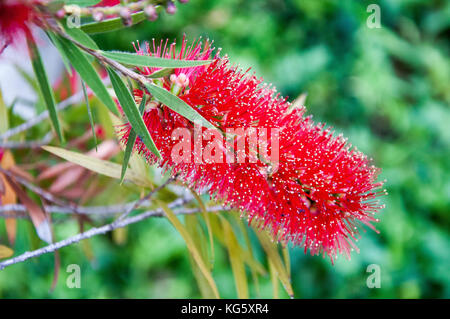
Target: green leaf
column 131, row 141
column 96, row 165
column 132, row 112
column 160, row 73
column 191, row 246
column 151, row 61
column 82, row 3
column 111, row 24
column 87, row 73
column 178, row 105
column 57, row 44
column 44, row 87
column 78, row 35
column 91, row 118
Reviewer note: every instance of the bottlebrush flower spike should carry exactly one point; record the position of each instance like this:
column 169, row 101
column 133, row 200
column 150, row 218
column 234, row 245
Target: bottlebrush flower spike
column 107, row 3
column 317, row 194
column 15, row 19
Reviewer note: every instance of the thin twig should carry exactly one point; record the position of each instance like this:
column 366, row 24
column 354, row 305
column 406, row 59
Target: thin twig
column 93, row 232
column 41, row 117
column 28, row 144
column 43, row 193
column 144, row 199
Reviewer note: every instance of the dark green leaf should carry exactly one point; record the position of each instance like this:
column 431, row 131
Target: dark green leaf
column 131, row 141
column 87, row 73
column 91, row 118
column 160, row 73
column 131, row 111
column 151, row 61
column 82, row 3
column 78, row 35
column 57, row 44
column 178, row 105
column 111, row 24
column 44, row 87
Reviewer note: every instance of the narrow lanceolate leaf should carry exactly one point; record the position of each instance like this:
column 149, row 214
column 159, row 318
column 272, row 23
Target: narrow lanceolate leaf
column 44, row 87
column 130, row 143
column 37, row 215
column 287, row 260
column 274, row 258
column 132, row 112
column 208, row 223
column 274, row 280
column 160, row 73
column 96, row 165
column 8, row 196
column 57, row 44
column 5, row 252
column 111, row 24
column 87, row 72
column 82, row 3
column 78, row 35
column 4, row 122
column 91, row 118
column 151, row 61
column 236, row 260
column 191, row 246
column 178, row 105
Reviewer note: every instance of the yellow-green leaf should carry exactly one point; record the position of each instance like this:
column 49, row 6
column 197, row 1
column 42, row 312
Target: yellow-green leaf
column 4, row 123
column 191, row 246
column 96, row 165
column 206, row 216
column 5, row 252
column 236, row 260
column 274, row 280
column 274, row 257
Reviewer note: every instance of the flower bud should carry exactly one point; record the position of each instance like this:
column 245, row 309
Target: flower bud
column 61, row 13
column 150, row 12
column 98, row 15
column 125, row 14
column 171, row 9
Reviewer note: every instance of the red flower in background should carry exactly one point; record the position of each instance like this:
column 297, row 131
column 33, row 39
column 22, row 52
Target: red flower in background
column 321, row 191
column 15, row 19
column 107, row 3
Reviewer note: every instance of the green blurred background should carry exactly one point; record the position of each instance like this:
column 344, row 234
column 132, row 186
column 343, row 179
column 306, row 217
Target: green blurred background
column 387, row 89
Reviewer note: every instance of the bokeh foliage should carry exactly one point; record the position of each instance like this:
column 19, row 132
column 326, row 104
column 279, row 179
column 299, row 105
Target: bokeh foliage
column 387, row 90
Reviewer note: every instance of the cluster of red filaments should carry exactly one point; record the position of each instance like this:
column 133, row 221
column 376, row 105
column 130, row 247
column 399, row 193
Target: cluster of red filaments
column 321, row 191
column 16, row 17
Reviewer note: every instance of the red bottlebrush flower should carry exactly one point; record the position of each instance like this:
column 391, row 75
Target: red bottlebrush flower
column 15, row 19
column 317, row 192
column 107, row 3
